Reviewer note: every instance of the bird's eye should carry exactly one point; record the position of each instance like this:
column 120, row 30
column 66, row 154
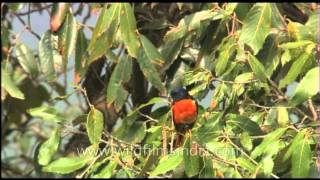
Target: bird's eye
column 173, row 93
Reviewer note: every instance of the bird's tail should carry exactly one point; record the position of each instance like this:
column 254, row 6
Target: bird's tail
column 179, row 140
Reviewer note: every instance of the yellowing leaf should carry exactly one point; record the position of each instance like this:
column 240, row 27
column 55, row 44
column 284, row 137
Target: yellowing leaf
column 283, row 116
column 94, row 125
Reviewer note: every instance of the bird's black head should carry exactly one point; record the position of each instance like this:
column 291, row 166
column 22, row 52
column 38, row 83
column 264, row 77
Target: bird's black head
column 179, row 93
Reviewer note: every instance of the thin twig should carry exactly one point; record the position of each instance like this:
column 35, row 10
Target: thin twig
column 120, row 142
column 27, row 27
column 87, row 16
column 34, row 10
column 214, row 156
column 302, row 113
column 16, row 36
column 164, row 140
column 78, row 11
column 86, row 26
column 245, row 154
column 233, row 82
column 235, row 18
column 29, row 22
column 85, row 95
column 312, row 109
column 150, row 119
column 172, row 136
column 88, row 168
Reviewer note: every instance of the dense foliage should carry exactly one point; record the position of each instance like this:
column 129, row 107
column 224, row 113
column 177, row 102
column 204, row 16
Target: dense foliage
column 90, row 101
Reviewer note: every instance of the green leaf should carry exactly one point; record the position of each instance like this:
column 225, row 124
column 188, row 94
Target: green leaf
column 256, row 26
column 296, row 44
column 304, row 32
column 191, row 160
column 107, row 171
column 82, row 44
column 67, row 38
column 236, row 174
column 243, row 122
column 301, row 158
column 154, row 129
column 90, row 152
column 225, row 52
column 246, row 141
column 271, row 137
column 242, row 10
column 121, row 75
column 295, row 142
column 170, row 52
column 223, row 150
column 295, row 70
column 50, row 59
column 156, row 24
column 124, row 174
column 307, row 87
column 229, row 9
column 8, row 84
column 151, row 101
column 190, row 23
column 15, row 6
column 46, row 112
column 267, row 164
column 286, row 57
column 269, row 54
column 242, row 78
column 5, row 38
column 151, row 52
column 274, row 148
column 66, row 165
column 168, row 162
column 94, row 125
column 312, row 26
column 128, row 28
column 131, row 132
column 257, row 68
column 277, row 21
column 207, row 171
column 283, row 116
column 26, row 59
column 49, row 147
column 98, row 49
column 104, row 32
column 246, row 163
column 198, row 79
column 106, row 18
column 149, row 71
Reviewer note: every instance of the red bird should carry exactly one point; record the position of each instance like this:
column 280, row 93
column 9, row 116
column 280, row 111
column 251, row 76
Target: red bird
column 184, row 111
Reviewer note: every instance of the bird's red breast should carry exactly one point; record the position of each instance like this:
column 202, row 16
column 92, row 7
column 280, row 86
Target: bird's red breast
column 184, row 111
